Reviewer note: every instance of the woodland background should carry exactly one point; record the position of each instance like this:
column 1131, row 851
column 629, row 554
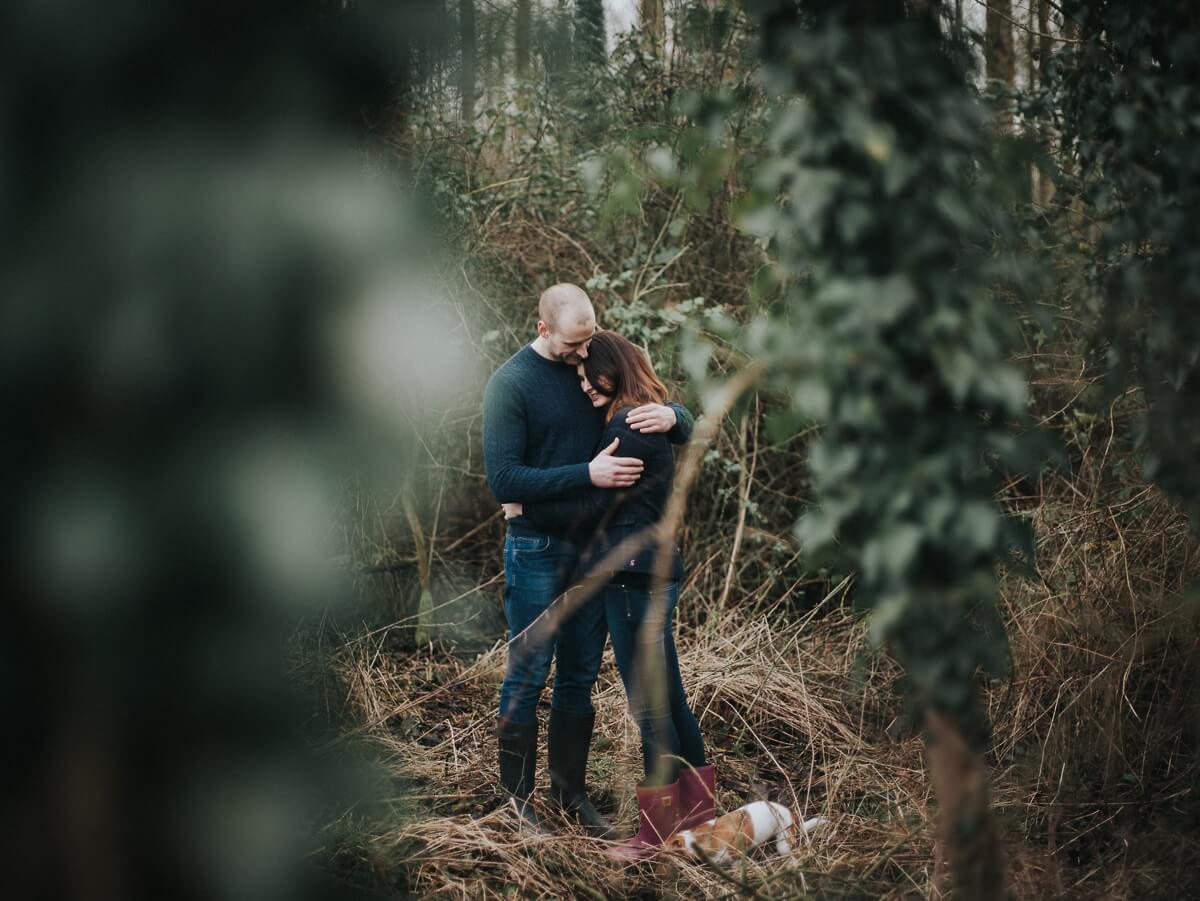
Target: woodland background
column 941, row 549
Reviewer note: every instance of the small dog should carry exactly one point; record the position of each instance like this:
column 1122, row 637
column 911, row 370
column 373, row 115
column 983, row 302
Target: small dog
column 741, row 830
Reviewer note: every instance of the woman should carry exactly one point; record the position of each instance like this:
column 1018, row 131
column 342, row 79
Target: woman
column 677, row 792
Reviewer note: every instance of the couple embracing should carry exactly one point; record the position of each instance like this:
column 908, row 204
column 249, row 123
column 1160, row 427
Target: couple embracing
column 577, row 443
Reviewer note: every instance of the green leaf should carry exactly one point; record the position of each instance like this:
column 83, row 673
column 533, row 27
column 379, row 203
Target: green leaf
column 1005, row 385
column 694, row 357
column 892, row 299
column 661, row 162
column 815, row 530
column 886, row 616
column 760, row 220
column 812, row 398
column 831, row 463
column 958, row 369
column 978, row 526
column 591, row 171
column 889, row 555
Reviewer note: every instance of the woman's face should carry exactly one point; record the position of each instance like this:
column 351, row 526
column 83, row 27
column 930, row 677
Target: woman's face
column 595, row 393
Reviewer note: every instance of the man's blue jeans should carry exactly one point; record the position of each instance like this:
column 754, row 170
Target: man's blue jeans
column 537, row 569
column 668, row 727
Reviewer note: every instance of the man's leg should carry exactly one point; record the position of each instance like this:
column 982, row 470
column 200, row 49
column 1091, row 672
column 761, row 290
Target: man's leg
column 532, row 567
column 572, row 718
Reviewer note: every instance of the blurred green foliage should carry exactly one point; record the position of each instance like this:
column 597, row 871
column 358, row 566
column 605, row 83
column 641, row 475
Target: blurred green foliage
column 1126, row 99
column 884, row 212
column 192, row 244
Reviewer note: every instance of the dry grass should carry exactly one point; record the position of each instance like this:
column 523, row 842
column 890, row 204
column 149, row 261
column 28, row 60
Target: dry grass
column 774, row 706
column 1093, row 759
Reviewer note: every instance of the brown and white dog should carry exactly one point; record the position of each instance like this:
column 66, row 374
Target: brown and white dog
column 739, row 831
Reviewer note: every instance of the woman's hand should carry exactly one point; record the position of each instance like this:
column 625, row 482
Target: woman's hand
column 511, row 511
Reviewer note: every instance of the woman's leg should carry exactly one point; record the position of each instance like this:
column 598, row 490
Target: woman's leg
column 640, row 653
column 687, row 728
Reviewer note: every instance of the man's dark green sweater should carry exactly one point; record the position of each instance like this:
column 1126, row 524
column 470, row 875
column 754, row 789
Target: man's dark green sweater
column 540, row 431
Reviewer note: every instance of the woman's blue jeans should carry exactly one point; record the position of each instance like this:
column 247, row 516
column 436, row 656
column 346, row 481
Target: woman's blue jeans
column 537, row 569
column 642, row 645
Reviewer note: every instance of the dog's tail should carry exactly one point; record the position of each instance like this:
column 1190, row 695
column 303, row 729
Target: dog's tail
column 803, row 828
column 806, row 827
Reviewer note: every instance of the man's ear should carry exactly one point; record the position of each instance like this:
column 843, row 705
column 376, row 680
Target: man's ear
column 543, row 329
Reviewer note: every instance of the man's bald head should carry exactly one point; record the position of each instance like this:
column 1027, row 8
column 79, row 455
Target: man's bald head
column 565, row 305
column 566, row 323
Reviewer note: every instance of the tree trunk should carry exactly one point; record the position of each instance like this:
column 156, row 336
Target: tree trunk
column 1033, row 188
column 999, row 58
column 591, row 40
column 493, row 51
column 1045, row 45
column 654, row 26
column 470, row 58
column 524, row 21
column 968, row 853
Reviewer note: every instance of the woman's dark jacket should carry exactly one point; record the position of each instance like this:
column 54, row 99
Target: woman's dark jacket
column 601, row 518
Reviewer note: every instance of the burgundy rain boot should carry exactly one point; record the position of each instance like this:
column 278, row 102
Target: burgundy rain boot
column 658, row 807
column 697, row 795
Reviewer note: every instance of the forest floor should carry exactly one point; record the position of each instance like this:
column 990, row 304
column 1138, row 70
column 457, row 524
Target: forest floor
column 1093, row 762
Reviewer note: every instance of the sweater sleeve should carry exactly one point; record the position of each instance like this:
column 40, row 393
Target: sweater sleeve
column 586, row 510
column 684, row 423
column 504, row 436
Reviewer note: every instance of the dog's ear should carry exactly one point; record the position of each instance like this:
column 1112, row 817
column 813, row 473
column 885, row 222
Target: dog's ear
column 675, row 843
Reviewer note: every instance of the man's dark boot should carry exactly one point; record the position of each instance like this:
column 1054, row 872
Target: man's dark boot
column 569, row 741
column 517, row 744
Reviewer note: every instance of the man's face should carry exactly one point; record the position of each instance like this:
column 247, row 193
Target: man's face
column 568, row 340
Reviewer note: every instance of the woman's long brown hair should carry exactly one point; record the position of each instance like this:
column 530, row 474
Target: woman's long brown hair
column 617, row 368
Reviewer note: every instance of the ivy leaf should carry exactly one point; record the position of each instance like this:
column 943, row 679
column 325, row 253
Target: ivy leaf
column 958, row 369
column 1005, row 386
column 956, row 211
column 831, row 463
column 854, row 219
column 816, row 529
column 892, row 299
column 888, row 556
column 591, row 171
column 661, row 162
column 886, row 616
column 694, row 357
column 812, row 398
column 978, row 526
column 761, row 220
column 898, row 171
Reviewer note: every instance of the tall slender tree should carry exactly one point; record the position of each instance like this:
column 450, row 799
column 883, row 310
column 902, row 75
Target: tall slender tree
column 1045, row 47
column 999, row 57
column 468, row 41
column 523, row 29
column 591, row 39
column 653, row 20
column 494, row 27
column 552, row 32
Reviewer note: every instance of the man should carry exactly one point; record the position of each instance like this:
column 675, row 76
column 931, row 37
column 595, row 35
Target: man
column 539, row 429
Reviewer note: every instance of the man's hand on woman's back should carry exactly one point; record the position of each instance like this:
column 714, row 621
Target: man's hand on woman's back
column 607, row 471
